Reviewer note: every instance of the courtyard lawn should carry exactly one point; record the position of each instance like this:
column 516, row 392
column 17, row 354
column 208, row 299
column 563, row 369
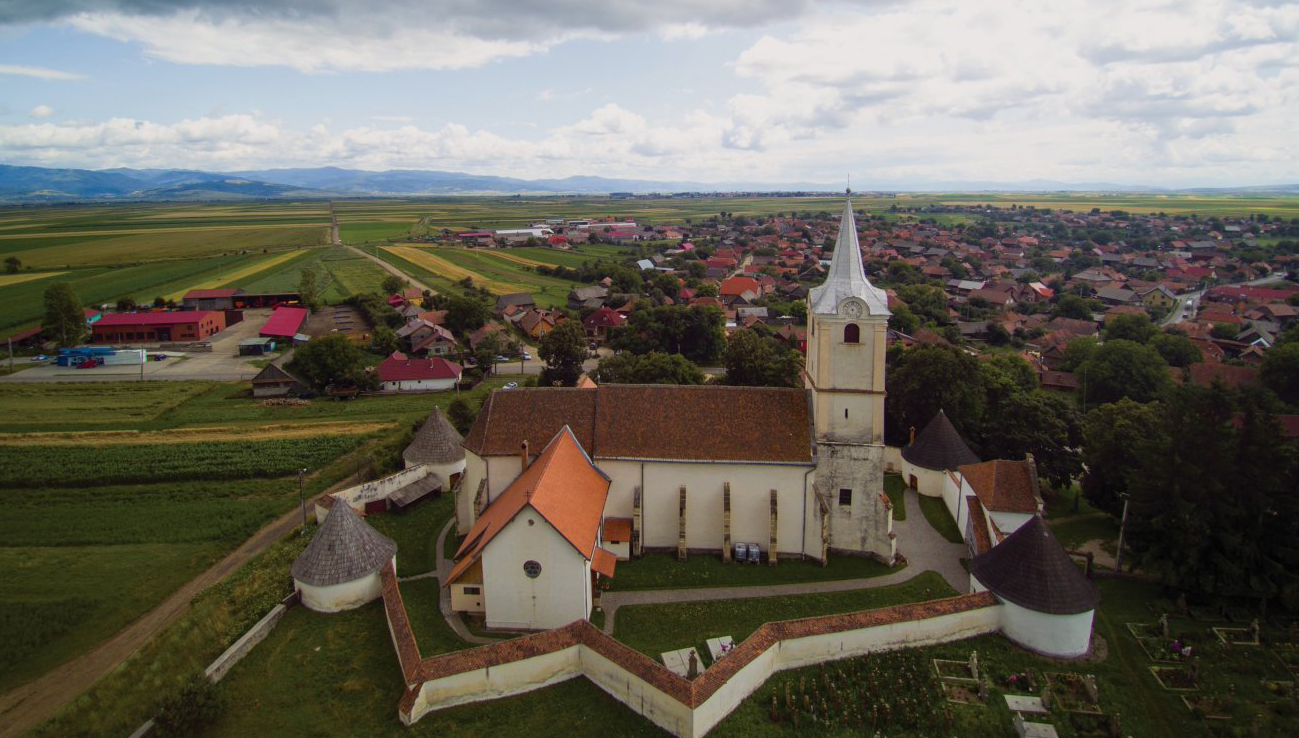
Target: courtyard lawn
column 655, row 629
column 1073, row 532
column 337, row 675
column 935, row 511
column 416, row 532
column 896, row 490
column 663, row 571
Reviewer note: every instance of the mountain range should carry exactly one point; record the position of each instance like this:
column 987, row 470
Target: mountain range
column 40, row 184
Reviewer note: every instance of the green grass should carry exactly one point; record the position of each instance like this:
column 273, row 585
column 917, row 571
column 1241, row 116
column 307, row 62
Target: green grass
column 1061, row 503
column 66, row 465
column 547, row 291
column 896, row 489
column 432, row 633
column 30, row 406
column 935, row 511
column 340, row 272
column 363, row 232
column 663, row 571
column 416, row 532
column 337, row 675
column 655, row 629
column 1074, row 532
column 126, row 697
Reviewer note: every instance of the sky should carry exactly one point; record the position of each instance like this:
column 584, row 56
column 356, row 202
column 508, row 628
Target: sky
column 1172, row 93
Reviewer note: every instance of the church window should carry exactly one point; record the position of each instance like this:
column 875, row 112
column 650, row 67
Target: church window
column 532, row 569
column 845, row 413
column 845, row 497
column 472, row 590
column 851, row 333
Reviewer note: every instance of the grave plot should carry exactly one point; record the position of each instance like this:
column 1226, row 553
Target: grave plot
column 1073, row 692
column 1177, row 678
column 1239, row 636
column 1209, row 707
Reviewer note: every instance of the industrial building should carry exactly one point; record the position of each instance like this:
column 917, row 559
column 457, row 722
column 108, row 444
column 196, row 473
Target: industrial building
column 180, row 325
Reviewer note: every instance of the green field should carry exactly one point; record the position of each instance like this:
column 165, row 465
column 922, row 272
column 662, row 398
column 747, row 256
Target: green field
column 95, row 533
column 366, row 232
column 340, row 272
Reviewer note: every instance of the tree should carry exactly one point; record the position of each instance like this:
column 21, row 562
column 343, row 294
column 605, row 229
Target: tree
column 188, row 709
column 929, row 303
column 1072, row 306
column 1280, row 372
column 926, row 378
column 485, row 353
column 1223, row 331
column 1123, row 368
column 466, row 314
column 1077, row 351
column 126, row 304
column 308, row 288
column 1045, row 426
column 1112, row 435
column 754, row 360
column 1130, row 327
column 65, row 319
column 13, row 264
column 392, row 284
column 328, row 360
column 1177, row 349
column 384, row 340
column 461, row 414
column 655, row 367
column 563, row 350
column 697, row 332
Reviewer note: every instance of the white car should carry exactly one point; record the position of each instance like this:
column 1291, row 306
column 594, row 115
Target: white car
column 511, row 385
column 1190, row 302
column 527, row 356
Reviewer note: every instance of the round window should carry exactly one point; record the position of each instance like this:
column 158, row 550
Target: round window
column 532, row 569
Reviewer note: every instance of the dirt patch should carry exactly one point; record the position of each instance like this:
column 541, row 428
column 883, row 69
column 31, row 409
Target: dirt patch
column 1100, row 557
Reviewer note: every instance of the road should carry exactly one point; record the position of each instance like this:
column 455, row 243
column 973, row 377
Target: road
column 1188, row 304
column 36, row 701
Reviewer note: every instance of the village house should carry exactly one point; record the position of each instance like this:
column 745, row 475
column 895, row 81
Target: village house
column 402, row 373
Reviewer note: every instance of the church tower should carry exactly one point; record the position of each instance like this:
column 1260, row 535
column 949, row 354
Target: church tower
column 844, row 370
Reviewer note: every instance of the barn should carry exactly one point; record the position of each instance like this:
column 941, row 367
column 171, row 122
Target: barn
column 284, row 323
column 179, row 325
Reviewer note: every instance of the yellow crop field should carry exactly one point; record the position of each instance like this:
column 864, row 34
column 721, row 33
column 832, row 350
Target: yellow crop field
column 453, row 272
column 238, row 274
column 8, row 279
column 511, row 257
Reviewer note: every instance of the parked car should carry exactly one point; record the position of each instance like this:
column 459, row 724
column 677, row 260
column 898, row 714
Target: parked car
column 40, row 357
column 526, row 356
column 511, row 385
column 502, row 358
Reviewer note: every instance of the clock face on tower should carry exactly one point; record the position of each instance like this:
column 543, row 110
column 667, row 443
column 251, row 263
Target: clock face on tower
column 852, row 309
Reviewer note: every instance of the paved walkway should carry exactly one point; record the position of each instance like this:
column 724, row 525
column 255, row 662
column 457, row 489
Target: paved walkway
column 34, row 702
column 924, row 548
column 444, row 593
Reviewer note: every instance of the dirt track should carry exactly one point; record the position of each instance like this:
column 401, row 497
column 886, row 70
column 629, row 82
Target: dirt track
column 34, row 702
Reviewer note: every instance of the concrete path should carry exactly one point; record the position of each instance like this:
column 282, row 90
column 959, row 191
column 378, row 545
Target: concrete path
column 36, row 701
column 444, row 594
column 924, row 548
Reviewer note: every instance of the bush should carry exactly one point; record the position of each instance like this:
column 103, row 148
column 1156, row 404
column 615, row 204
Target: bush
column 188, row 709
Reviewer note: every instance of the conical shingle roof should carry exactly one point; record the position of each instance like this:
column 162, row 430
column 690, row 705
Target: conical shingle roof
column 436, row 442
column 344, row 549
column 939, row 446
column 1031, row 569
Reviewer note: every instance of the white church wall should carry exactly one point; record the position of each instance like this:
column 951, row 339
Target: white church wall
column 513, row 600
column 642, row 697
column 475, row 471
column 343, row 596
column 928, row 481
column 501, row 680
column 954, row 491
column 1008, row 522
column 892, row 459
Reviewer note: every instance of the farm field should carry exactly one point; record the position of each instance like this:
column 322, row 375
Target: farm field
column 8, row 279
column 240, row 275
column 340, row 272
column 107, row 519
column 493, row 267
column 367, row 231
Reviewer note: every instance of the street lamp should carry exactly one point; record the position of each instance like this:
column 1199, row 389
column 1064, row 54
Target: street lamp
column 302, row 502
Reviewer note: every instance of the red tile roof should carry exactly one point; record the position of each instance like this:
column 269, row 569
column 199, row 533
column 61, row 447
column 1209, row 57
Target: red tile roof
column 605, row 317
column 1004, row 486
column 398, row 367
column 604, row 562
column 739, row 285
column 169, row 318
column 707, row 422
column 619, row 529
column 284, row 322
column 562, row 485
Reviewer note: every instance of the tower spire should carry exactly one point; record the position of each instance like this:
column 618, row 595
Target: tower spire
column 846, row 276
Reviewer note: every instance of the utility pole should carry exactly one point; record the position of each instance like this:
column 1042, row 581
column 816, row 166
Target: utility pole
column 302, row 502
column 1123, row 524
column 11, row 355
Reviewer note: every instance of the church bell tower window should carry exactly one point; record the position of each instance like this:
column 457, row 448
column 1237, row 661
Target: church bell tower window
column 851, row 333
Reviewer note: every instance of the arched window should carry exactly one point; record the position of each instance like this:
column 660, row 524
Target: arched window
column 851, row 333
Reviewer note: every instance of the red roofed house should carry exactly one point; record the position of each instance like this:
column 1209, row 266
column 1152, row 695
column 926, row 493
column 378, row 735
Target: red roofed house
column 401, row 373
column 746, row 287
column 179, row 325
column 598, row 323
column 532, row 558
column 285, row 322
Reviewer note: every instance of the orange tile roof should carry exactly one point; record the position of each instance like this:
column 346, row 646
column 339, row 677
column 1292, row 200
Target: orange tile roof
column 978, row 525
column 1004, row 486
column 617, row 529
column 562, row 485
column 603, row 562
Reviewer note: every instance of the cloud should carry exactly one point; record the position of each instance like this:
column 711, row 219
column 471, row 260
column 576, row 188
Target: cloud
column 41, row 111
column 383, row 35
column 38, row 72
